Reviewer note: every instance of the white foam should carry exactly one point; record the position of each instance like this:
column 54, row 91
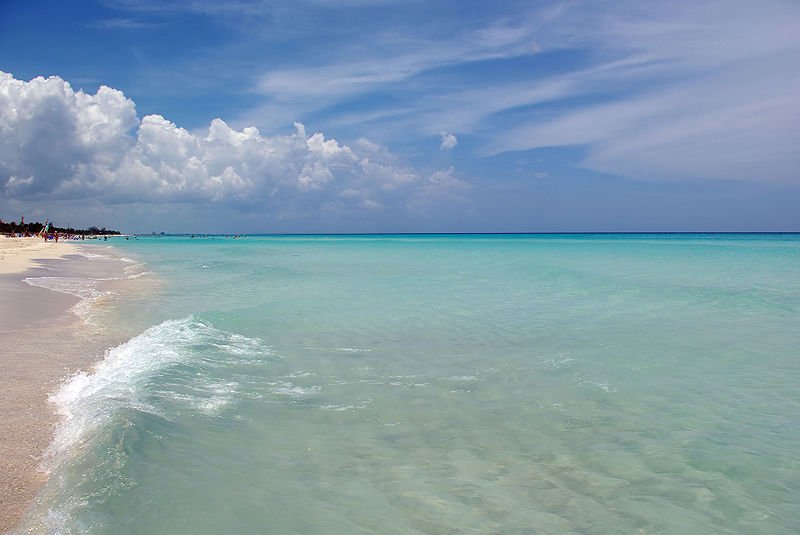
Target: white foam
column 560, row 361
column 123, row 379
column 133, row 267
column 141, row 274
column 206, row 397
column 342, row 408
column 286, row 388
column 596, row 383
column 462, row 378
column 300, row 374
column 87, row 254
column 84, row 288
column 341, row 349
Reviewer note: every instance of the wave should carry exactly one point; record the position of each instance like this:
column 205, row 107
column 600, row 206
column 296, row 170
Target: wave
column 340, row 349
column 84, row 288
column 90, row 255
column 171, row 371
column 140, row 274
column 100, row 256
column 180, row 352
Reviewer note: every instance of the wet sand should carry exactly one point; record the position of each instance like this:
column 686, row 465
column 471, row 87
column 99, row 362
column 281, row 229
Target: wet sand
column 41, row 342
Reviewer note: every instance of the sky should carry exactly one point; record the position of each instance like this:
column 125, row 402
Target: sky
column 401, row 116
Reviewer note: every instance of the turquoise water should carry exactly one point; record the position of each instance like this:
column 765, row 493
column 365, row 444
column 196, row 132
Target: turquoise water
column 441, row 384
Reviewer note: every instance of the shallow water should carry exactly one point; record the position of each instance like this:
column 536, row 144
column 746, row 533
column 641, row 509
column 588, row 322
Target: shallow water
column 441, row 384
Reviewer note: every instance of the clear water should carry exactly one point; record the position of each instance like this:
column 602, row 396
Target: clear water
column 442, row 384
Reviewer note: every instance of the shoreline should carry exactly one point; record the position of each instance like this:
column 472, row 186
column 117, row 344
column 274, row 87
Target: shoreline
column 45, row 341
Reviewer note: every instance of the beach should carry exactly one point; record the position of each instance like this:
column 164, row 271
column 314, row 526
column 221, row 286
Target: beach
column 20, row 254
column 43, row 341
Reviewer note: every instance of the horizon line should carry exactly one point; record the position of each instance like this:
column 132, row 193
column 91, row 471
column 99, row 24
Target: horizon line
column 534, row 233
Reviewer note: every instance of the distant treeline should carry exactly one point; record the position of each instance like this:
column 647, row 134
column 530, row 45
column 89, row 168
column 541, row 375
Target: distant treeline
column 35, row 228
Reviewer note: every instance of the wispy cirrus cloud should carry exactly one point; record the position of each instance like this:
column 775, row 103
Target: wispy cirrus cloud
column 697, row 93
column 711, row 128
column 390, row 61
column 125, row 23
column 400, row 62
column 243, row 8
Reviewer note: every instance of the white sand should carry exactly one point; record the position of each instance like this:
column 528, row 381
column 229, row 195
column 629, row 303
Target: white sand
column 18, row 254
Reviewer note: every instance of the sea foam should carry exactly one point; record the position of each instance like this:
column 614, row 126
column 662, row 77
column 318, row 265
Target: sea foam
column 136, row 375
column 87, row 289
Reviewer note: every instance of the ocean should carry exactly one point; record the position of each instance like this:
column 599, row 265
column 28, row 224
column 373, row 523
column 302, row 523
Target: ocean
column 644, row 383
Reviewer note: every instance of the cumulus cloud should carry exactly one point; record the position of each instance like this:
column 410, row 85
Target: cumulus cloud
column 59, row 143
column 52, row 138
column 449, row 141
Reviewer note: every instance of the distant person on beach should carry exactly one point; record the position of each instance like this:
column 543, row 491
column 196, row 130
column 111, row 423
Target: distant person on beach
column 44, row 229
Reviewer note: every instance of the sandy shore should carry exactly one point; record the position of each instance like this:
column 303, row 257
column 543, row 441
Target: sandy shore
column 41, row 343
column 19, row 254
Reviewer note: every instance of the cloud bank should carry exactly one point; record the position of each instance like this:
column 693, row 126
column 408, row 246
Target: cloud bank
column 57, row 143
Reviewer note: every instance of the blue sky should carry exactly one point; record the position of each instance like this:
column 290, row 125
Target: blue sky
column 381, row 116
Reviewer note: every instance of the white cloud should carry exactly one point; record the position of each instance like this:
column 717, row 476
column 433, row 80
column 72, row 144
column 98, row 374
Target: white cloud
column 522, row 76
column 360, row 197
column 449, row 141
column 120, row 23
column 737, row 122
column 677, row 90
column 444, row 183
column 52, row 137
column 389, row 176
column 690, row 91
column 58, row 143
column 388, row 60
